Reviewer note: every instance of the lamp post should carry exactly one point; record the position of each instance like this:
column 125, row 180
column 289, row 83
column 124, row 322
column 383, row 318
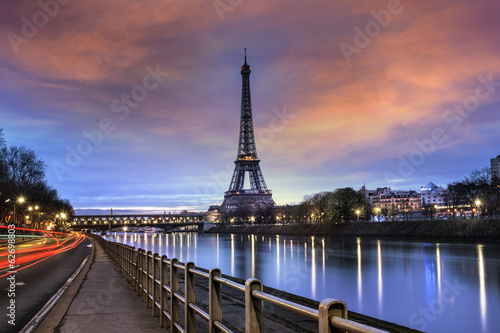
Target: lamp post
column 37, row 215
column 377, row 210
column 357, row 213
column 478, row 204
column 20, row 200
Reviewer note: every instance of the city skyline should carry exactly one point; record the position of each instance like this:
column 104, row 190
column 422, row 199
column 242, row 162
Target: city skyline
column 136, row 106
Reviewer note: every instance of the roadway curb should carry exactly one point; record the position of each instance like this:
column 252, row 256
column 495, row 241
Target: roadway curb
column 50, row 316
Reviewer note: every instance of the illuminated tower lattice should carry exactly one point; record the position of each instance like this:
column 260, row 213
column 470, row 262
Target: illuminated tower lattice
column 247, row 161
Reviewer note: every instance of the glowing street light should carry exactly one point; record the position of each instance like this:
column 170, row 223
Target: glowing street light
column 478, row 204
column 357, row 213
column 377, row 210
column 19, row 201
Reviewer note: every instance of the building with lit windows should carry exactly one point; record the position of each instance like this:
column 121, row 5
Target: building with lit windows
column 495, row 167
column 432, row 195
column 400, row 201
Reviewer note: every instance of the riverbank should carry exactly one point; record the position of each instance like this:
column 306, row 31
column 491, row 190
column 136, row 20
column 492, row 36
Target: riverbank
column 450, row 229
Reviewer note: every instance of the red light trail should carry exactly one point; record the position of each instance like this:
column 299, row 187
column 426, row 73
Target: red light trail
column 39, row 248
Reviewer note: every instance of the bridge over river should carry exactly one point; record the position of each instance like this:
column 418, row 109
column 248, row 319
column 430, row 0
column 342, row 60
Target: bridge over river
column 167, row 221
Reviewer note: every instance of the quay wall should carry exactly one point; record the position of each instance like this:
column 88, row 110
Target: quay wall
column 434, row 229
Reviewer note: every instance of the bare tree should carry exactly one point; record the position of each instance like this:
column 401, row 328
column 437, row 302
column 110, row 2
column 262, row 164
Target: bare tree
column 22, row 173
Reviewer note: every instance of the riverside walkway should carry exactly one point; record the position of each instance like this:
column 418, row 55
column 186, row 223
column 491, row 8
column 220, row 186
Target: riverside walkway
column 102, row 299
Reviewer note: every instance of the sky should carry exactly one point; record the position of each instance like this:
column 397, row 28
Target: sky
column 135, row 105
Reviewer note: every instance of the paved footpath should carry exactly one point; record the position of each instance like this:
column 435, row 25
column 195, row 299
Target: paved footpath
column 100, row 300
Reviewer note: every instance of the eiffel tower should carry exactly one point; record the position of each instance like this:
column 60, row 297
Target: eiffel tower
column 246, row 161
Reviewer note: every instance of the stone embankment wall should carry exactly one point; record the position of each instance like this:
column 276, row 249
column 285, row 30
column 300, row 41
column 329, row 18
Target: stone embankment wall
column 450, row 229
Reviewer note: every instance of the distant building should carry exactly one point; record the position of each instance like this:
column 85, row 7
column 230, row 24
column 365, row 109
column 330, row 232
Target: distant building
column 495, row 167
column 432, row 195
column 395, row 201
column 368, row 194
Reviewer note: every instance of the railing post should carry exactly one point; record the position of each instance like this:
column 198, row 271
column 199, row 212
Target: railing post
column 133, row 263
column 254, row 308
column 138, row 277
column 164, row 292
column 128, row 262
column 214, row 300
column 144, row 276
column 131, row 258
column 189, row 296
column 174, row 288
column 149, row 285
column 120, row 257
column 327, row 308
column 135, row 268
column 156, row 289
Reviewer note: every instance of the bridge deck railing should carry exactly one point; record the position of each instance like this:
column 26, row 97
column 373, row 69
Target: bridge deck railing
column 157, row 279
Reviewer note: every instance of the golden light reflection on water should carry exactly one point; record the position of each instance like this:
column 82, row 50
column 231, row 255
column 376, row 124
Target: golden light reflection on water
column 323, row 255
column 482, row 287
column 305, row 251
column 278, row 256
column 438, row 269
column 284, row 252
column 232, row 254
column 360, row 276
column 218, row 265
column 313, row 268
column 379, row 262
column 253, row 255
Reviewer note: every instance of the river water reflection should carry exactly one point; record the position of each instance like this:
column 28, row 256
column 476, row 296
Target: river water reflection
column 435, row 287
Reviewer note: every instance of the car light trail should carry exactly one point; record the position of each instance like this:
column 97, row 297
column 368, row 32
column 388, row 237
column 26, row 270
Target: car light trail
column 38, row 249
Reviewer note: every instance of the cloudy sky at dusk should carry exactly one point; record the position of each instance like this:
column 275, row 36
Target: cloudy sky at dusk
column 136, row 104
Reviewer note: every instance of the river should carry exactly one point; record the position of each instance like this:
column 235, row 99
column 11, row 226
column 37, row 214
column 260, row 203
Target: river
column 429, row 286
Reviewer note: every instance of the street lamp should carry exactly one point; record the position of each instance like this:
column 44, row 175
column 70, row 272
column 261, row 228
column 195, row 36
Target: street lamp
column 20, row 200
column 377, row 210
column 478, row 203
column 357, row 213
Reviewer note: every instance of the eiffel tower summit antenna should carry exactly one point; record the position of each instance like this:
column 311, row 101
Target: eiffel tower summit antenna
column 246, row 161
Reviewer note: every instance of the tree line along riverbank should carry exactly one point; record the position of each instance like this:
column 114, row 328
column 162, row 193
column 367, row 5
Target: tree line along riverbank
column 449, row 229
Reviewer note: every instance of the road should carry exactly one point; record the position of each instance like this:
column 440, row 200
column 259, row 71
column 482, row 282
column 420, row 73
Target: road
column 42, row 269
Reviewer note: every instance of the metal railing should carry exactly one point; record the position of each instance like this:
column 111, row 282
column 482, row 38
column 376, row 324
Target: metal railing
column 156, row 279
